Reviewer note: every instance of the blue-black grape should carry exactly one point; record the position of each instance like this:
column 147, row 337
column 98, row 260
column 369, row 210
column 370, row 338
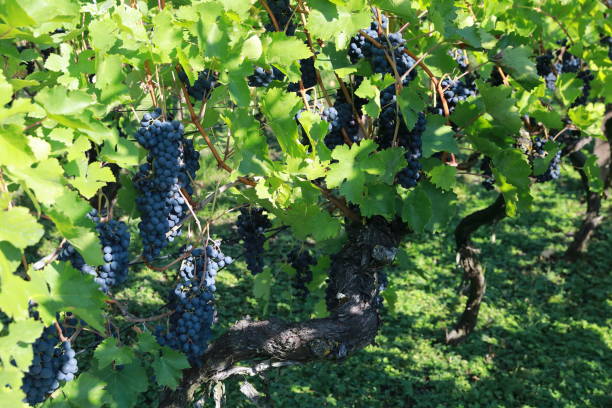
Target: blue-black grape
column 552, row 64
column 171, row 166
column 203, row 85
column 53, row 362
column 411, row 140
column 192, row 300
column 283, row 14
column 252, row 223
column 340, row 116
column 554, row 167
column 262, row 78
column 455, row 91
column 115, row 241
column 361, row 47
column 301, row 260
column 309, row 75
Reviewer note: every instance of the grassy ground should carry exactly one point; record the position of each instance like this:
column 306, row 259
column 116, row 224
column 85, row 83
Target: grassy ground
column 543, row 338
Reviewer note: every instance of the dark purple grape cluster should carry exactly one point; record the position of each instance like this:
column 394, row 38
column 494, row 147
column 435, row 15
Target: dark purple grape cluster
column 340, row 116
column 203, row 86
column 190, row 327
column 252, row 223
column 455, row 91
column 115, row 240
column 262, row 78
column 301, row 260
column 461, row 58
column 283, row 13
column 488, row 181
column 554, row 167
column 389, row 129
column 309, row 75
column 552, row 64
column 53, row 362
column 168, row 173
column 380, row 59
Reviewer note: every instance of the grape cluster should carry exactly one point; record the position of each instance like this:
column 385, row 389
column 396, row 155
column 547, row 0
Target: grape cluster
column 361, row 47
column 203, row 86
column 554, row 170
column 192, row 301
column 262, row 78
column 488, row 180
column 552, row 64
column 340, row 116
column 301, row 260
column 309, row 75
column 171, row 166
column 283, row 13
column 50, row 365
column 410, row 140
column 455, row 91
column 115, row 240
column 252, row 223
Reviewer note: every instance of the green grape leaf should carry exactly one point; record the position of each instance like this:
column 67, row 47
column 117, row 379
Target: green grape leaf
column 416, row 209
column 540, row 164
column 438, row 137
column 124, row 153
column 568, row 87
column 513, row 164
column 307, row 219
column 378, row 199
column 10, row 257
column 14, row 148
column 96, row 178
column 72, row 291
column 347, row 169
column 17, row 344
column 328, row 21
column 108, row 352
column 16, row 292
column 168, row 368
column 19, row 227
column 167, row 36
column 85, row 391
column 443, row 206
column 385, row 164
column 282, row 50
column 517, row 62
column 466, row 112
column 593, row 173
column 500, row 105
column 109, row 80
column 59, row 101
column 45, row 180
column 443, row 176
column 126, row 197
column 280, row 107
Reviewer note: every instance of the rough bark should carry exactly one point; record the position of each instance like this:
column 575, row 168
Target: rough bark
column 467, row 257
column 352, row 324
column 592, row 219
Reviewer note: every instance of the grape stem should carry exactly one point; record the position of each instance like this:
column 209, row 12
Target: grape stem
column 272, row 16
column 420, row 63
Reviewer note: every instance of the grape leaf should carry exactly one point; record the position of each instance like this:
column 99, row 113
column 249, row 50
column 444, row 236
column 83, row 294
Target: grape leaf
column 108, row 352
column 72, row 291
column 417, row 210
column 168, row 368
column 438, row 137
column 17, row 344
column 517, row 63
column 19, row 227
column 443, row 176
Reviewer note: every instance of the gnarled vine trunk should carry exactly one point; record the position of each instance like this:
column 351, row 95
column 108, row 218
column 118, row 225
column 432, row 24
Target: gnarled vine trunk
column 467, row 257
column 352, row 324
column 592, row 218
